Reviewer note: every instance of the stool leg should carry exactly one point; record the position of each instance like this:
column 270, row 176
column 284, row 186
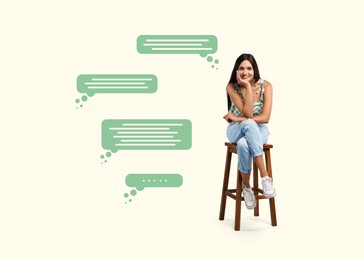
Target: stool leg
column 255, row 188
column 238, row 201
column 225, row 185
column 272, row 206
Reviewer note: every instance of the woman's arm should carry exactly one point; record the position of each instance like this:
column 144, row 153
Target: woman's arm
column 229, row 117
column 245, row 106
column 263, row 118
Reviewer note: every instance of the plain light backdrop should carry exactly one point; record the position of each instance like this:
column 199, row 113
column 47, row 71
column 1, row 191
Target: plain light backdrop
column 59, row 202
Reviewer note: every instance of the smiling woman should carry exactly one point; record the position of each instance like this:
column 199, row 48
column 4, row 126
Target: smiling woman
column 250, row 105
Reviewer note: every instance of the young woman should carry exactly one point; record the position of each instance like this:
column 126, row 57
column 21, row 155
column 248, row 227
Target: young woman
column 250, row 106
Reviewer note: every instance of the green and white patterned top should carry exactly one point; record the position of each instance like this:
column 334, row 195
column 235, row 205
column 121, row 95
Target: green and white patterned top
column 257, row 106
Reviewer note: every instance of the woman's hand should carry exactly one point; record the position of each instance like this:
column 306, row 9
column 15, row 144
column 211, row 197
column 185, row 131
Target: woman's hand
column 229, row 117
column 242, row 82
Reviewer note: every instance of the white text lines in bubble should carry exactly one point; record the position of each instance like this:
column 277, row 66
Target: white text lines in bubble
column 121, row 79
column 181, row 49
column 143, row 132
column 139, row 128
column 151, row 141
column 153, row 124
column 114, row 83
column 145, row 144
column 118, row 87
column 143, row 136
column 176, row 40
column 172, row 44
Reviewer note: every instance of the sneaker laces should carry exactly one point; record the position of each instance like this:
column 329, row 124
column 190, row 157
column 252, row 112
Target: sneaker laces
column 249, row 197
column 268, row 183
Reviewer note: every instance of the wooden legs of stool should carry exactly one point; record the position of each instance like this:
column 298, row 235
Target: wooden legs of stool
column 238, row 199
column 237, row 193
column 225, row 185
column 234, row 193
column 255, row 188
column 272, row 206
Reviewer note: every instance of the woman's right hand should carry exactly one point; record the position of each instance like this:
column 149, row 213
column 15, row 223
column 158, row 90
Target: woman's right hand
column 242, row 82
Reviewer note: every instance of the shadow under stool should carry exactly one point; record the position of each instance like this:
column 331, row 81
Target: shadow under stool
column 236, row 194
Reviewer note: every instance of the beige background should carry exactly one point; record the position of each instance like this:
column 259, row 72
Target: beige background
column 59, row 202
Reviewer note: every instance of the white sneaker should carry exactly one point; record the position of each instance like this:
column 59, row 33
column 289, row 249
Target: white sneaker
column 249, row 198
column 268, row 188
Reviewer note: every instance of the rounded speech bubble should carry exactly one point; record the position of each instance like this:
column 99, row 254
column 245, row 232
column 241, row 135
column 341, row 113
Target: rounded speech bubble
column 153, row 180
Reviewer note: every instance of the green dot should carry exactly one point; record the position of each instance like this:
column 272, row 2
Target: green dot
column 133, row 192
column 84, row 98
column 140, row 188
column 77, row 101
column 212, row 66
column 216, row 61
column 203, row 55
column 81, row 105
column 209, row 58
column 126, row 195
column 105, row 161
column 102, row 156
column 129, row 200
column 108, row 154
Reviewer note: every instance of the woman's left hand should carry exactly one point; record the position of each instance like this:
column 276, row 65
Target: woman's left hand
column 229, row 117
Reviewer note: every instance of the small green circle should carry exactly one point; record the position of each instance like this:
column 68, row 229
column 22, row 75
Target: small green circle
column 84, row 98
column 77, row 100
column 108, row 154
column 203, row 55
column 133, row 192
column 212, row 66
column 105, row 161
column 102, row 156
column 140, row 188
column 209, row 58
column 126, row 195
column 216, row 61
column 129, row 200
column 81, row 105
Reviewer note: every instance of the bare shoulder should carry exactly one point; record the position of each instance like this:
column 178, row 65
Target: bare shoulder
column 267, row 84
column 230, row 87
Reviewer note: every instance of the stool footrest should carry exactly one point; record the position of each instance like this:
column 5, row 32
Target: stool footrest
column 232, row 194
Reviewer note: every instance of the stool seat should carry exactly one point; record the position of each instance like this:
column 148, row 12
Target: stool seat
column 236, row 193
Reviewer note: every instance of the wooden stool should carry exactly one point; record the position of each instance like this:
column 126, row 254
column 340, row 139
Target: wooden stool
column 236, row 194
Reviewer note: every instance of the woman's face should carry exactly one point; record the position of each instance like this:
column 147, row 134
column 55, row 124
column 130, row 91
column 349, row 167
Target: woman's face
column 246, row 70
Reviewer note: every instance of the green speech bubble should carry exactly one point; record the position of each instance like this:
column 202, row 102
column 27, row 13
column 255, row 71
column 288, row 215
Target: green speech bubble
column 146, row 134
column 177, row 44
column 91, row 84
column 152, row 180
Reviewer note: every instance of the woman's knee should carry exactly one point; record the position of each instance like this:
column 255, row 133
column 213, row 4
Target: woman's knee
column 252, row 127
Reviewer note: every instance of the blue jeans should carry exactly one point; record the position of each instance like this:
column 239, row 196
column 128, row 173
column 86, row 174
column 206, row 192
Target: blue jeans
column 249, row 138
